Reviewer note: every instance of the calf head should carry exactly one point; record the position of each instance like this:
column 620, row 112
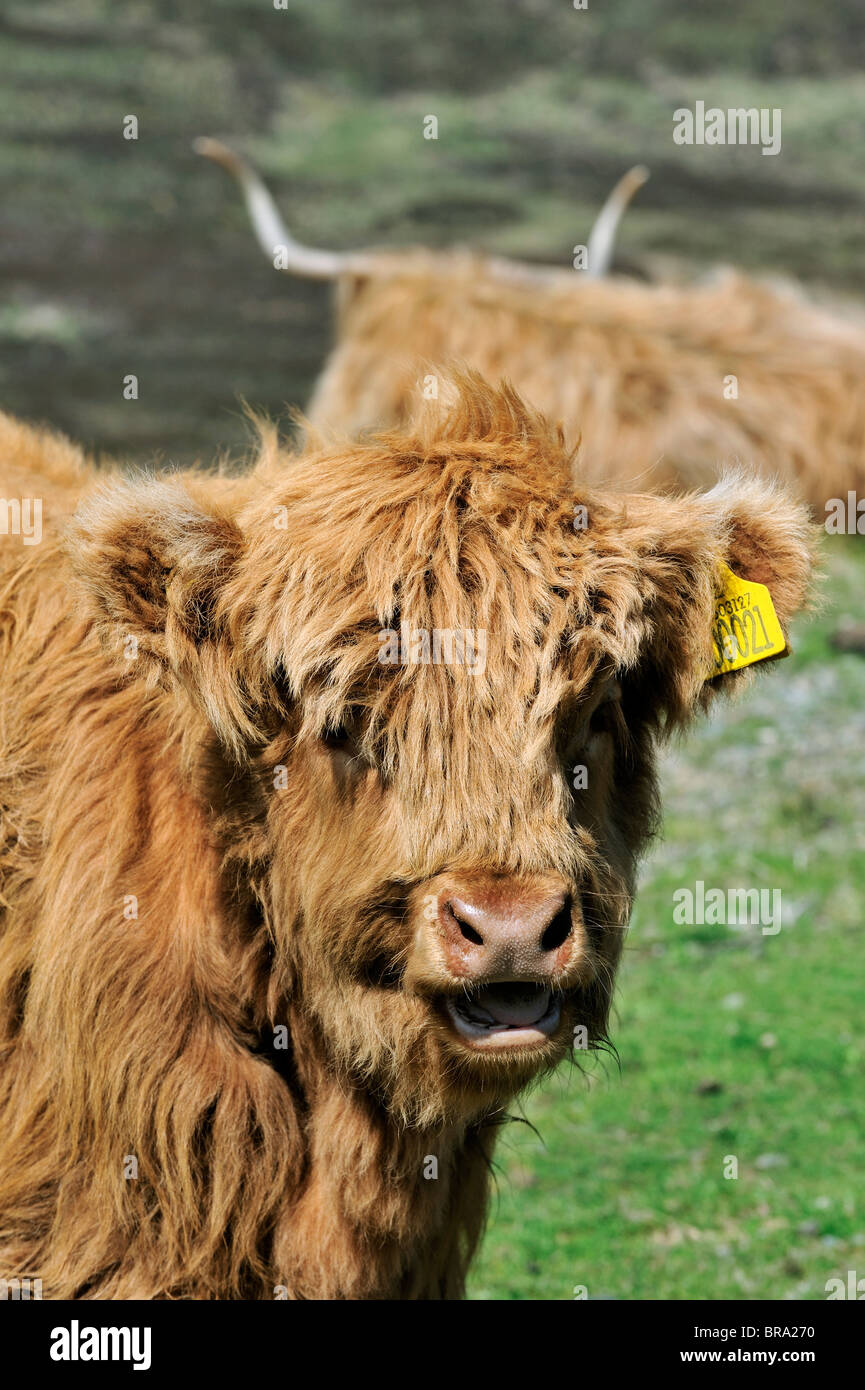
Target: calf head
column 428, row 673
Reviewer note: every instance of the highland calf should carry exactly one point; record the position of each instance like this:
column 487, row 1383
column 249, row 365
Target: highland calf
column 661, row 382
column 284, row 927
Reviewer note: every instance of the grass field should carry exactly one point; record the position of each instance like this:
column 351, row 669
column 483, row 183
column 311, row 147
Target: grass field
column 119, row 257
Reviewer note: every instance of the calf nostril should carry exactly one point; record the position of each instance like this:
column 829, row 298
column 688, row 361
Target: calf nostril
column 559, row 929
column 466, row 929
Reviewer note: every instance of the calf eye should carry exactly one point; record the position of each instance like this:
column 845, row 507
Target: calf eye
column 605, row 717
column 343, row 737
column 340, row 739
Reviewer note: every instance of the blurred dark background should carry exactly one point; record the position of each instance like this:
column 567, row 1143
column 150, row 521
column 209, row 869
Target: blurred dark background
column 122, row 257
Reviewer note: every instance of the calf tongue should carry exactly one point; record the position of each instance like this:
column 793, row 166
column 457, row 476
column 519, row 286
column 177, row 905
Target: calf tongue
column 517, row 1005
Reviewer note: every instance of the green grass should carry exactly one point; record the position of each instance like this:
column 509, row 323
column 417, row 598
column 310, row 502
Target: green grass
column 730, row 1042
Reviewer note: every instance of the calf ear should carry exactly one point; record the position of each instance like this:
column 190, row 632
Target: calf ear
column 687, row 546
column 153, row 565
column 765, row 537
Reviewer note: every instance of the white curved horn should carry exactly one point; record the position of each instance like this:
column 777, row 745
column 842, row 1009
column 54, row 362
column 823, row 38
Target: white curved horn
column 602, row 238
column 273, row 236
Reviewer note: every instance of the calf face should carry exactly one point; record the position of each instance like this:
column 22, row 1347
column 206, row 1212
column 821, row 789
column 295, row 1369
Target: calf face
column 442, row 847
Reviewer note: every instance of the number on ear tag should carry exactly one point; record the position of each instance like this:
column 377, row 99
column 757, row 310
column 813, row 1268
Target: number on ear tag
column 746, row 627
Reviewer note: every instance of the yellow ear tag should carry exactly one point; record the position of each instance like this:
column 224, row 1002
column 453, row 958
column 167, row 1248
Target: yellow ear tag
column 746, row 627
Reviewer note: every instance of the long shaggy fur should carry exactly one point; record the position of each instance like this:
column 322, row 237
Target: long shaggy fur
column 225, row 1067
column 639, row 372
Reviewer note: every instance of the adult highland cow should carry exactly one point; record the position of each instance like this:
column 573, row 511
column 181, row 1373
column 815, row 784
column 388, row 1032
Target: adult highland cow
column 661, row 381
column 296, row 892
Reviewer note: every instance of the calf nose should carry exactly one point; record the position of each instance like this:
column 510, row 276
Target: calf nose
column 503, row 933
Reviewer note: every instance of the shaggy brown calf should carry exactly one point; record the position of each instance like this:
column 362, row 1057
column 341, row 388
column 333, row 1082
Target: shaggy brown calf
column 662, row 382
column 296, row 891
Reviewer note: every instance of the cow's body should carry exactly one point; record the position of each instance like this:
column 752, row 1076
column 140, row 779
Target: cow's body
column 663, row 384
column 238, row 854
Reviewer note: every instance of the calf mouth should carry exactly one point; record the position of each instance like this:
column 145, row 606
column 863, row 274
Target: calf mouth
column 506, row 1016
